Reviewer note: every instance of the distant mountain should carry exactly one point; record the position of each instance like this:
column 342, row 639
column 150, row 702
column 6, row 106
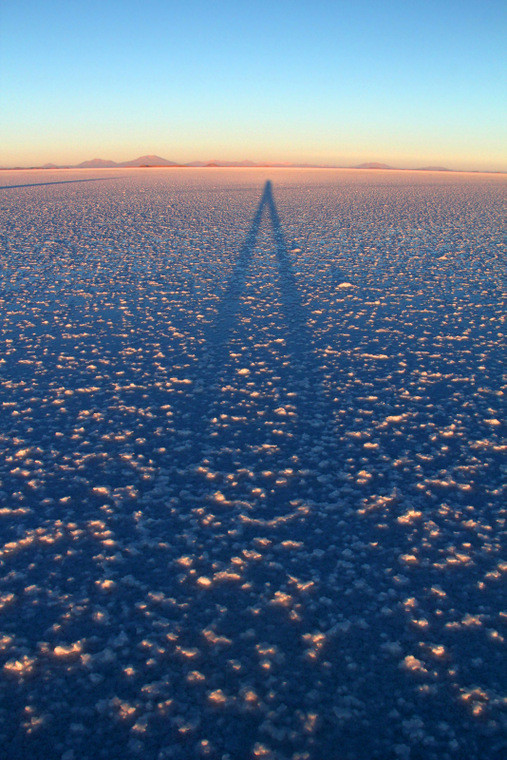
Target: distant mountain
column 148, row 161
column 433, row 169
column 373, row 165
column 97, row 163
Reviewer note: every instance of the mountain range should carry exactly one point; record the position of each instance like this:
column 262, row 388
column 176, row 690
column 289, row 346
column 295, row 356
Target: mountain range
column 154, row 161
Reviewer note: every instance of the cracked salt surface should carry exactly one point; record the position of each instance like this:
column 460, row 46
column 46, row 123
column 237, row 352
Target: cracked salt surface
column 251, row 493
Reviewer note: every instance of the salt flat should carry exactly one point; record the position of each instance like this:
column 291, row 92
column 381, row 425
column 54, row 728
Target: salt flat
column 251, row 464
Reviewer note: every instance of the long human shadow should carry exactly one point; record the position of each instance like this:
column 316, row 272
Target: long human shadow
column 299, row 339
column 229, row 302
column 60, row 182
column 303, row 365
column 290, row 296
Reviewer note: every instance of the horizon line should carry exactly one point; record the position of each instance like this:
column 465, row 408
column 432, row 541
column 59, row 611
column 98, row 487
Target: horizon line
column 157, row 162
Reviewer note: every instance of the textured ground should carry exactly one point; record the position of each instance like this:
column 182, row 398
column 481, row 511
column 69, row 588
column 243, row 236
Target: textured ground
column 251, row 480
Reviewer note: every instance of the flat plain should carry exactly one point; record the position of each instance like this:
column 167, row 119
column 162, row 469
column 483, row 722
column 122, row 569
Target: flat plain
column 251, row 465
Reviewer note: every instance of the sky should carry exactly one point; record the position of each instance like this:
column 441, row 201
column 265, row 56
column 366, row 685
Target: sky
column 408, row 83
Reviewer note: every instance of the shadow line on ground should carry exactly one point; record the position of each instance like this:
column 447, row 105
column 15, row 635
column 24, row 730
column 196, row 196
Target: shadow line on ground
column 60, row 182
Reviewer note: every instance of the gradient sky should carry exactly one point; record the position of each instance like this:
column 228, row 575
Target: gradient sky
column 327, row 81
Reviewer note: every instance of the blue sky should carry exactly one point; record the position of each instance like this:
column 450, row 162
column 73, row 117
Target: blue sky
column 408, row 83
